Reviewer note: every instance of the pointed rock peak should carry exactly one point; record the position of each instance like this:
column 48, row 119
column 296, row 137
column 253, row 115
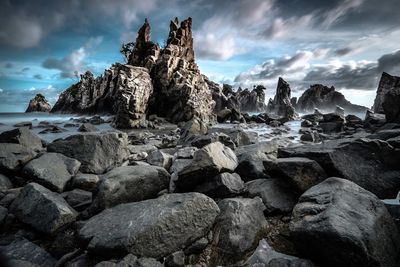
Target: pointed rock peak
column 144, row 33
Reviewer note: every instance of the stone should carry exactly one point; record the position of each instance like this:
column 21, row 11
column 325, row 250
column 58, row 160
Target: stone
column 150, row 228
column 22, row 136
column 42, row 209
column 207, row 162
column 337, row 223
column 325, row 98
column 251, row 165
column 97, row 152
column 237, row 135
column 391, row 105
column 148, row 262
column 87, row 127
column 277, row 195
column 5, row 183
column 281, row 104
column 302, row 173
column 176, row 259
column 38, row 104
column 85, row 181
column 3, row 215
column 52, row 170
column 387, row 83
column 78, row 198
column 385, row 134
column 185, row 152
column 203, row 140
column 159, row 158
column 221, row 186
column 52, row 129
column 311, row 136
column 13, row 157
column 24, row 124
column 374, row 120
column 237, row 229
column 129, row 184
column 266, row 256
column 26, row 252
column 377, row 162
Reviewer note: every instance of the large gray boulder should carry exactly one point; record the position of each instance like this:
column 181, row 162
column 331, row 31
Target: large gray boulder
column 14, row 156
column 5, row 183
column 26, row 253
column 338, row 223
column 302, row 173
column 251, row 165
column 237, row 230
column 372, row 164
column 150, row 228
column 96, row 151
column 277, row 195
column 129, row 184
column 52, row 170
column 22, row 136
column 207, row 162
column 223, row 185
column 42, row 209
column 387, row 83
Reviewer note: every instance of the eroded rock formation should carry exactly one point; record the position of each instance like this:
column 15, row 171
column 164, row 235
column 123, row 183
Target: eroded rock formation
column 281, row 105
column 386, row 84
column 38, row 104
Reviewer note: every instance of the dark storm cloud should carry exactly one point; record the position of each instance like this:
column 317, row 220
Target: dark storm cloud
column 38, row 76
column 343, row 51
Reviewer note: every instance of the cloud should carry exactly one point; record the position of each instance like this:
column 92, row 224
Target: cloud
column 1, row 90
column 8, row 65
column 38, row 76
column 333, row 16
column 74, row 62
column 211, row 46
column 343, row 51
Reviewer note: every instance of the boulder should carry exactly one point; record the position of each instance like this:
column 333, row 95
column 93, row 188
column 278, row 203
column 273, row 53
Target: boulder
column 159, row 158
column 384, row 134
column 78, row 199
column 87, row 127
column 85, row 181
column 251, row 165
column 176, row 259
column 337, row 223
column 42, row 209
column 52, row 170
column 266, row 256
column 5, row 183
column 237, row 135
column 207, row 162
column 377, row 162
column 387, row 83
column 97, row 152
column 374, row 120
column 277, row 195
column 129, row 184
column 150, row 228
column 221, row 186
column 22, row 136
column 302, row 173
column 3, row 215
column 14, row 156
column 391, row 105
column 237, row 229
column 38, row 104
column 26, row 253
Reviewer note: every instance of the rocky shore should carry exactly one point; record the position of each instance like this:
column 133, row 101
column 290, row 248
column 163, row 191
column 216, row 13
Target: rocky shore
column 170, row 187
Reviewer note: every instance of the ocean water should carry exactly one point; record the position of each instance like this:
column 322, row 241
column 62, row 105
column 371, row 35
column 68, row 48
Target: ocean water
column 8, row 120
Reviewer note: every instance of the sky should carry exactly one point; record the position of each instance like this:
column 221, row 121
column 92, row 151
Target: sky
column 344, row 43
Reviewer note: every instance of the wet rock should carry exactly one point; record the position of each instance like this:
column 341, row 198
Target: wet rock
column 52, row 170
column 237, row 229
column 302, row 173
column 276, row 194
column 22, row 136
column 24, row 124
column 52, row 129
column 151, row 228
column 87, row 127
column 14, row 156
column 161, row 159
column 96, row 151
column 129, row 184
column 207, row 162
column 311, row 136
column 338, row 223
column 42, row 209
column 221, row 186
column 38, row 104
column 387, row 83
column 22, row 251
column 354, row 121
column 385, row 134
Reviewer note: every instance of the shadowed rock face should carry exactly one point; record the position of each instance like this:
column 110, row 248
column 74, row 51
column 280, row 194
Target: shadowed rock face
column 386, row 84
column 281, row 105
column 325, row 98
column 38, row 104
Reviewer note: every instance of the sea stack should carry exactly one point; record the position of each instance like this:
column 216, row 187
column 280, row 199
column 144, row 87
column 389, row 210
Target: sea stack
column 38, row 104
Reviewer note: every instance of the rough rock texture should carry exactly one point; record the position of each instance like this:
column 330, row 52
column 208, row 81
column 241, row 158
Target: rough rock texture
column 5, row 183
column 281, row 104
column 338, row 223
column 221, row 186
column 129, row 184
column 38, row 104
column 391, row 105
column 326, row 99
column 14, row 156
column 386, row 84
column 96, row 151
column 52, row 170
column 87, row 127
column 22, row 136
column 266, row 256
column 207, row 163
column 376, row 168
column 276, row 194
column 151, row 228
column 26, row 253
column 237, row 230
column 42, row 209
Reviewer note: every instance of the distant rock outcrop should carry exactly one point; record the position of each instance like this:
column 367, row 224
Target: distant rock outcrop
column 180, row 91
column 281, row 105
column 325, row 98
column 38, row 104
column 386, row 84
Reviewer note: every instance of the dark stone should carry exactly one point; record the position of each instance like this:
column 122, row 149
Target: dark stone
column 221, row 186
column 22, row 136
